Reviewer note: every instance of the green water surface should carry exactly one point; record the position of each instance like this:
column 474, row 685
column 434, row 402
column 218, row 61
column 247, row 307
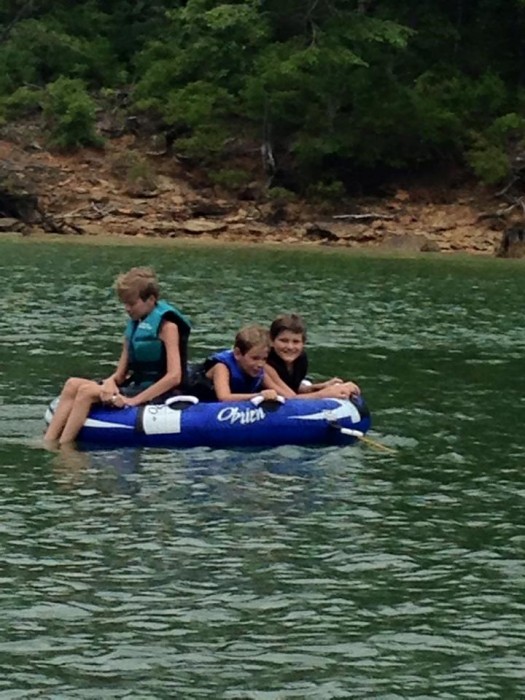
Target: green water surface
column 278, row 574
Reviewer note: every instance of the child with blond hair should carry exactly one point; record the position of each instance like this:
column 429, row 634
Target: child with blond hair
column 237, row 374
column 152, row 361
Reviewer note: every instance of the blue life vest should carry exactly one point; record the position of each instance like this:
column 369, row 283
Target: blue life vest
column 147, row 354
column 240, row 382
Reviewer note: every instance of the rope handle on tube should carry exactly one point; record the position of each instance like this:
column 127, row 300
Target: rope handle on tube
column 363, row 438
column 257, row 400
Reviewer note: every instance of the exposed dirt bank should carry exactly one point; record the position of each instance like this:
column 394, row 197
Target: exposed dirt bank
column 121, row 192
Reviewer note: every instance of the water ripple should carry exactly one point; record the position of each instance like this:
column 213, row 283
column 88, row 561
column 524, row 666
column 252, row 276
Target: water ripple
column 285, row 573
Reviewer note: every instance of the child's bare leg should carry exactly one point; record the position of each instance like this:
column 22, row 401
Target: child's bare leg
column 65, row 404
column 87, row 394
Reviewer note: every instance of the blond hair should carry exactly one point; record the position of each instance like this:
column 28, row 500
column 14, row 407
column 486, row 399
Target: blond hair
column 251, row 337
column 138, row 282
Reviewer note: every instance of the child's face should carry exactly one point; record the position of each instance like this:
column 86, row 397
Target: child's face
column 138, row 308
column 288, row 346
column 253, row 361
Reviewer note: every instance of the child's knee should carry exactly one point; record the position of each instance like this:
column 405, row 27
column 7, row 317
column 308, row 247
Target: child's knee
column 72, row 385
column 88, row 391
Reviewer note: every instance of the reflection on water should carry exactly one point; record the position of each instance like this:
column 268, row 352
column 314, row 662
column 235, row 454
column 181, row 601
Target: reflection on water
column 283, row 573
column 107, row 471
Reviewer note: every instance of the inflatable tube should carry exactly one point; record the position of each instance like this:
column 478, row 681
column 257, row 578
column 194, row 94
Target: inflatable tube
column 184, row 422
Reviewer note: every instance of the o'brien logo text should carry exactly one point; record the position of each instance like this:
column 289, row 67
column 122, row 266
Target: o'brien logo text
column 244, row 416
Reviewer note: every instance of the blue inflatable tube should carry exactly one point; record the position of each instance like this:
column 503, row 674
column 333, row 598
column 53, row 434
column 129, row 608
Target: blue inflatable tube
column 184, row 422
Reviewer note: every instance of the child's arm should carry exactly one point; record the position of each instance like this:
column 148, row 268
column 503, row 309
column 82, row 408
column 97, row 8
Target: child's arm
column 169, row 334
column 220, row 376
column 306, row 388
column 339, row 390
column 331, row 388
column 110, row 386
column 273, row 381
column 335, row 390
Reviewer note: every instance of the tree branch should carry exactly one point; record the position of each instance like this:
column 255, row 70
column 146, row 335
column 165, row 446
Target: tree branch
column 363, row 217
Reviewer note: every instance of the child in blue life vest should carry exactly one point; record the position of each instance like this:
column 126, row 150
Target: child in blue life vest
column 237, row 374
column 152, row 363
column 287, row 364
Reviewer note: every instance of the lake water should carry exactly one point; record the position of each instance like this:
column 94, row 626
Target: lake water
column 279, row 574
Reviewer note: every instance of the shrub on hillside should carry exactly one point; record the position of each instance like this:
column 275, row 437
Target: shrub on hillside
column 24, row 102
column 70, row 114
column 498, row 151
column 230, row 178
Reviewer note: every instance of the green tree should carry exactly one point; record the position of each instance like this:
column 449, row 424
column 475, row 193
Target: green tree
column 70, row 113
column 328, row 88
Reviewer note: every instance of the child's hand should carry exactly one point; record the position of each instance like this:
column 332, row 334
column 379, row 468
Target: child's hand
column 341, row 391
column 328, row 383
column 108, row 389
column 269, row 395
column 353, row 389
column 333, row 380
column 119, row 401
column 108, row 395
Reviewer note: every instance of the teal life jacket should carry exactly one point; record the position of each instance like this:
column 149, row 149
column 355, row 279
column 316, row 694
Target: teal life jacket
column 147, row 354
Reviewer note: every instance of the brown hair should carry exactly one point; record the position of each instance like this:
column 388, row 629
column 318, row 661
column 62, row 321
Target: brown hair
column 251, row 337
column 288, row 322
column 138, row 282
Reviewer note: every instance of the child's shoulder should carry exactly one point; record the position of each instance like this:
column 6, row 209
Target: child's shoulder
column 224, row 357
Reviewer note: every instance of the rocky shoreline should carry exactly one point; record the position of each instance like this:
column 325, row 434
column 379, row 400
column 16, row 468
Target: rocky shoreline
column 110, row 192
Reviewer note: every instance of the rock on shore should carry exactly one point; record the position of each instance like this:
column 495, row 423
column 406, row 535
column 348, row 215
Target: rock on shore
column 110, row 192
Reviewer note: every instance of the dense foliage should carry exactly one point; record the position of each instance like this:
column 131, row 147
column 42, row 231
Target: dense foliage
column 324, row 89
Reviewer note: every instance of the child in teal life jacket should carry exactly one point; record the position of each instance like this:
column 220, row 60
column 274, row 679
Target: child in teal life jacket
column 237, row 374
column 287, row 365
column 152, row 362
